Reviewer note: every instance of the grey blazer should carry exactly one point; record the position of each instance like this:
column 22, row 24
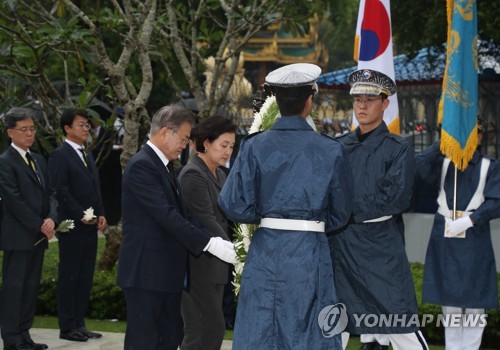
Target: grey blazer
column 200, row 191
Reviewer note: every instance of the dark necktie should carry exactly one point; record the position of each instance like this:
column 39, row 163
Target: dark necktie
column 85, row 158
column 31, row 164
column 171, row 174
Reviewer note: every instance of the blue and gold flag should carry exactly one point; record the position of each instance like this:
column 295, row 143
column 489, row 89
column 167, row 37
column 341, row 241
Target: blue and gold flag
column 459, row 99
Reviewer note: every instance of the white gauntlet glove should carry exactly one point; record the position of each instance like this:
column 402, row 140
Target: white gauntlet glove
column 222, row 249
column 453, row 228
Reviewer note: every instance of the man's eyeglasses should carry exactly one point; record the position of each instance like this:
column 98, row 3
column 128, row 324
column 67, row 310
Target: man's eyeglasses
column 358, row 101
column 184, row 140
column 26, row 129
column 84, row 126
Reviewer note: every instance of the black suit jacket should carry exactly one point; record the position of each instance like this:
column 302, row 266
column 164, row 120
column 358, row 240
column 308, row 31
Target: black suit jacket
column 26, row 202
column 157, row 234
column 77, row 186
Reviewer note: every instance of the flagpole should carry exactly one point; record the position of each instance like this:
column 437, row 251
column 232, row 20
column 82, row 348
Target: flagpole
column 455, row 194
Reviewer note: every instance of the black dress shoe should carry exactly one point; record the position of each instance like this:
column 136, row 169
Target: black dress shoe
column 89, row 334
column 373, row 346
column 37, row 346
column 73, row 335
column 368, row 346
column 20, row 346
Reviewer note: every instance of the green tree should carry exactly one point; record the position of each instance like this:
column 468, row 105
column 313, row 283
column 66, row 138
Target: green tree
column 114, row 48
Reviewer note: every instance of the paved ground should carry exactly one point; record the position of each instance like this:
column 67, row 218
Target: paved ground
column 109, row 341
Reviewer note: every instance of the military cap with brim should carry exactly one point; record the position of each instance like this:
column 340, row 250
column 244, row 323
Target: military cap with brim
column 371, row 82
column 294, row 75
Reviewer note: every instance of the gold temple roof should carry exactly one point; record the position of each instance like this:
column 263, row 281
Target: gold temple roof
column 277, row 45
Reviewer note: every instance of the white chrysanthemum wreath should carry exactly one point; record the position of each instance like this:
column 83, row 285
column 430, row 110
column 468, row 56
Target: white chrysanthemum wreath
column 263, row 120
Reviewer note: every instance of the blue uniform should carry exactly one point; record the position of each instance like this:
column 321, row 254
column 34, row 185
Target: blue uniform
column 288, row 172
column 461, row 272
column 372, row 272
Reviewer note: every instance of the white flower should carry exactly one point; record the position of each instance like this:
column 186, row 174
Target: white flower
column 65, row 226
column 238, row 268
column 261, row 114
column 246, row 243
column 263, row 120
column 88, row 215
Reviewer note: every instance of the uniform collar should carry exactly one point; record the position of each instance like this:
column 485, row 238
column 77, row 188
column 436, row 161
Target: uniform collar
column 379, row 130
column 291, row 122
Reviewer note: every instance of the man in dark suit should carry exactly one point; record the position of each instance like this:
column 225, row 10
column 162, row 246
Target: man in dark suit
column 74, row 176
column 29, row 211
column 157, row 236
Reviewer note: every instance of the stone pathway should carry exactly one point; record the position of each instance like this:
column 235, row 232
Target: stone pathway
column 109, row 341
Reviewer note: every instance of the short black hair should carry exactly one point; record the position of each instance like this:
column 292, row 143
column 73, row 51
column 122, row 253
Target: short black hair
column 210, row 129
column 69, row 116
column 16, row 114
column 291, row 100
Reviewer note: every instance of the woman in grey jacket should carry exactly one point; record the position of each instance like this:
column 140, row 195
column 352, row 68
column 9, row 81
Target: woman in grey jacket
column 201, row 181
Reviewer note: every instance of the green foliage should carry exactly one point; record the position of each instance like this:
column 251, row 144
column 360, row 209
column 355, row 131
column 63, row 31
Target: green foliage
column 106, row 299
column 337, row 32
column 270, row 116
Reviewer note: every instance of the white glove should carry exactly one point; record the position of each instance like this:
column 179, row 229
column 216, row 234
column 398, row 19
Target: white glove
column 222, row 249
column 453, row 228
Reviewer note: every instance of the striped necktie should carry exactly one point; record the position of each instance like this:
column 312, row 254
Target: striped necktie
column 31, row 164
column 85, row 159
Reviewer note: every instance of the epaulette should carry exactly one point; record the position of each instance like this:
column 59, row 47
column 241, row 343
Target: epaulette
column 340, row 137
column 397, row 138
column 326, row 135
column 250, row 135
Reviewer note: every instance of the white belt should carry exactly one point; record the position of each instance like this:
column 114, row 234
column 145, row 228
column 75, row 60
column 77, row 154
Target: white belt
column 293, row 225
column 380, row 219
column 449, row 213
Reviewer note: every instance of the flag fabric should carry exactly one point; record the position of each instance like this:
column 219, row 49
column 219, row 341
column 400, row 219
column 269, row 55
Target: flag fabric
column 458, row 105
column 373, row 50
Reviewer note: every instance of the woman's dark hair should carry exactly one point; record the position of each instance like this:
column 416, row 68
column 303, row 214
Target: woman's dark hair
column 210, row 129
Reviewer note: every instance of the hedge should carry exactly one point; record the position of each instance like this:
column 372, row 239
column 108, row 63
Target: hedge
column 106, row 299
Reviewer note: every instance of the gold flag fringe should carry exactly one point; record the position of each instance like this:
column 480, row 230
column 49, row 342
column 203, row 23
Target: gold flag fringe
column 452, row 149
column 356, row 48
column 394, row 126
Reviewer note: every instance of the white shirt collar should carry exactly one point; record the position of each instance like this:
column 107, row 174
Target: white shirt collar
column 20, row 150
column 74, row 144
column 160, row 154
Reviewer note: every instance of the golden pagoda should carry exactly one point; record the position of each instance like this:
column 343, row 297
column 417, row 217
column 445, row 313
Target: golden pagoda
column 274, row 47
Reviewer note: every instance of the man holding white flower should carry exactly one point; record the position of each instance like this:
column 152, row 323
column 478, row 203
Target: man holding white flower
column 29, row 211
column 74, row 176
